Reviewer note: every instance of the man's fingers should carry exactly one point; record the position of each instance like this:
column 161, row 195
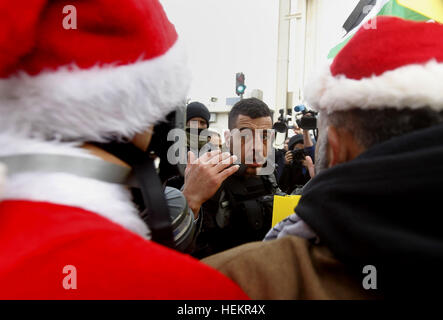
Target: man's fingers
column 228, row 172
column 219, row 158
column 191, row 157
column 209, row 155
column 226, row 162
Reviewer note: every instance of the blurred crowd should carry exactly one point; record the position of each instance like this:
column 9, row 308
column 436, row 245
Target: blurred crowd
column 108, row 177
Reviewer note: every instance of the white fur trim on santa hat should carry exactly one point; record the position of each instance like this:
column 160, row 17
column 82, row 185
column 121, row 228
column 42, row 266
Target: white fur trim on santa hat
column 413, row 86
column 109, row 200
column 97, row 103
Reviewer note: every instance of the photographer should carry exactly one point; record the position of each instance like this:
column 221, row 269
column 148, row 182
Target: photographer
column 298, row 163
column 280, row 159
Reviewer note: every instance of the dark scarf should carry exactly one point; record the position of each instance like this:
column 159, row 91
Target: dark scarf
column 385, row 208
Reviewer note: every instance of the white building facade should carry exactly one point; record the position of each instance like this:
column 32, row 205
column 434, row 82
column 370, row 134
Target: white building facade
column 278, row 44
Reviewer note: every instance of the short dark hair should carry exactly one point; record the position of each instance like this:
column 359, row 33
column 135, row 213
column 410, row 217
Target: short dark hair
column 371, row 127
column 252, row 107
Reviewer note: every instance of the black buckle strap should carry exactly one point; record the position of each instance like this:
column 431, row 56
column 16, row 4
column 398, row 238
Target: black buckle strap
column 157, row 215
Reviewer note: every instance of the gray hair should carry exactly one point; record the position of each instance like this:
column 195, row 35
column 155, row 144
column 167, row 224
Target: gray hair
column 371, row 127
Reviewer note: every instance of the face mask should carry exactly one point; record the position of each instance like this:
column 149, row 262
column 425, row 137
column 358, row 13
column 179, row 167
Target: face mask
column 195, row 135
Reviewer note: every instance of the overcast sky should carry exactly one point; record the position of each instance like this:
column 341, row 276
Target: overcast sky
column 225, row 37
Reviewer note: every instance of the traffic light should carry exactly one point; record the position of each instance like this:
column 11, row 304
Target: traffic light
column 240, row 86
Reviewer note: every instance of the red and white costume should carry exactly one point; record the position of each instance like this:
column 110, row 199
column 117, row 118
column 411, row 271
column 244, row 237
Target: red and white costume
column 118, row 73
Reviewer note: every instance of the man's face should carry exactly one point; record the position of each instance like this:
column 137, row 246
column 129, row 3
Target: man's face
column 197, row 122
column 250, row 140
column 215, row 140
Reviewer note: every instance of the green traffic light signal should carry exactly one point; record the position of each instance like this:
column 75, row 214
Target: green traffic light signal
column 241, row 89
column 240, row 86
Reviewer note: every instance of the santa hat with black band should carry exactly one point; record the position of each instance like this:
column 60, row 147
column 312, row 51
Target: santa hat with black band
column 119, row 72
column 398, row 65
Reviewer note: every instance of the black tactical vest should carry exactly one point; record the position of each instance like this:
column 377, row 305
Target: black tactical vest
column 247, row 205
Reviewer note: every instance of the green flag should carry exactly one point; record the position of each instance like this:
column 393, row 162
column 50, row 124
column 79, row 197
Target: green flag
column 381, row 8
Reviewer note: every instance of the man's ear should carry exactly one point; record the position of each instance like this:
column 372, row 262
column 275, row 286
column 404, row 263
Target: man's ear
column 142, row 140
column 227, row 135
column 336, row 147
column 342, row 146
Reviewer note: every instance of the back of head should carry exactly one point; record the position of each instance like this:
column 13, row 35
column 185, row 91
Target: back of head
column 384, row 89
column 297, row 139
column 385, row 82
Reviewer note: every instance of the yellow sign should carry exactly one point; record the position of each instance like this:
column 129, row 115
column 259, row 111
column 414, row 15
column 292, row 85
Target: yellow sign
column 283, row 207
column 429, row 8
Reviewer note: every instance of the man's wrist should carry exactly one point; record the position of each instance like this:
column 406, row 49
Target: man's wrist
column 193, row 203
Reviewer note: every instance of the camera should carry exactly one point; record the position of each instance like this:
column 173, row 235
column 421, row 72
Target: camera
column 304, row 118
column 308, row 120
column 281, row 125
column 298, row 156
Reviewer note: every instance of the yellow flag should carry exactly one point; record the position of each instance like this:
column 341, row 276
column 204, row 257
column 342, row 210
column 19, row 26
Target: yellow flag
column 429, row 8
column 283, row 207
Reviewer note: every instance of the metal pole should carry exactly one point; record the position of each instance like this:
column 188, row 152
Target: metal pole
column 284, row 26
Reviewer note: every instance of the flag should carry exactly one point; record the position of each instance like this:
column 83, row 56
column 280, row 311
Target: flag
column 417, row 10
column 283, row 208
column 429, row 8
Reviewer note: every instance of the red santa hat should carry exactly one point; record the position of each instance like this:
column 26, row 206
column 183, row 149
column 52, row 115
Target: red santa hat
column 399, row 64
column 88, row 70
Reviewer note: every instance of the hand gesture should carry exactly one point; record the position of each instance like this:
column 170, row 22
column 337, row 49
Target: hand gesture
column 204, row 176
column 288, row 157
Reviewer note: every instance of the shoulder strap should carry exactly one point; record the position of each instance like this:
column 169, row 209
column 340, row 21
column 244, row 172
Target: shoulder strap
column 157, row 215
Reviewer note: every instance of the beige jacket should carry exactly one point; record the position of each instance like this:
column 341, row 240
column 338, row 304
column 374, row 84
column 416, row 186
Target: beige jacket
column 289, row 268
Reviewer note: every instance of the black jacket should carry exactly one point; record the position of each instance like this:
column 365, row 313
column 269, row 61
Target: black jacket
column 293, row 177
column 384, row 208
column 240, row 212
